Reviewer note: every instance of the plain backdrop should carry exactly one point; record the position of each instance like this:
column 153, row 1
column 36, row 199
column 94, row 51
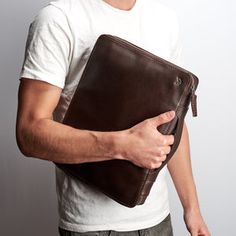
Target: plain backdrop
column 27, row 186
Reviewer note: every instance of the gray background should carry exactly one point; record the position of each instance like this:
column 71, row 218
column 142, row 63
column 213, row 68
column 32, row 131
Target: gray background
column 27, row 186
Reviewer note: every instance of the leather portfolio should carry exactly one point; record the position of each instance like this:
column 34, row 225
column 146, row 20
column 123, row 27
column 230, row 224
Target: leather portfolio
column 122, row 85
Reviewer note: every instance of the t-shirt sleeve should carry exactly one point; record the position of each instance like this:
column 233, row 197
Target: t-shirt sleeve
column 48, row 48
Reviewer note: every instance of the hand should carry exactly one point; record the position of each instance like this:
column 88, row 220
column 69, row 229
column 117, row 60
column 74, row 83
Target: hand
column 144, row 145
column 195, row 223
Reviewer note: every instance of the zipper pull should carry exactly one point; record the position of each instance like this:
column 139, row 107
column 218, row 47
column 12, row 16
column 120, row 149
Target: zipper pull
column 193, row 102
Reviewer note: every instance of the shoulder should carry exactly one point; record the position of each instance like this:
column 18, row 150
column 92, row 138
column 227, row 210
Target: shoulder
column 63, row 13
column 56, row 12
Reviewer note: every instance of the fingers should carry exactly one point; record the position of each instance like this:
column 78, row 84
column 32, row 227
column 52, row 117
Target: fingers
column 159, row 120
column 163, row 118
column 161, row 156
column 166, row 140
column 145, row 138
column 199, row 232
column 163, row 150
column 155, row 163
column 204, row 231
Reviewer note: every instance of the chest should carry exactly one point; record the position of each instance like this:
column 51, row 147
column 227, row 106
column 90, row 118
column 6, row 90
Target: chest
column 148, row 33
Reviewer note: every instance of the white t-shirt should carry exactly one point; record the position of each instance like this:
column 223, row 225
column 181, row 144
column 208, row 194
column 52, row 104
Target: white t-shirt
column 59, row 43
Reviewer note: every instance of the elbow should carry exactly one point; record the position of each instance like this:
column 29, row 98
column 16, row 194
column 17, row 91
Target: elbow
column 22, row 142
column 24, row 151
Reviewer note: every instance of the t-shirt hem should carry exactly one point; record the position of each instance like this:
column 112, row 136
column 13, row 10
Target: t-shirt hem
column 121, row 228
column 46, row 78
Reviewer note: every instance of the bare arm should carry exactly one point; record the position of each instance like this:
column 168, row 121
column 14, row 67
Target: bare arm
column 181, row 172
column 41, row 137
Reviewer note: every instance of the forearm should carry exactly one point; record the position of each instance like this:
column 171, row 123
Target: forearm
column 53, row 141
column 39, row 136
column 181, row 172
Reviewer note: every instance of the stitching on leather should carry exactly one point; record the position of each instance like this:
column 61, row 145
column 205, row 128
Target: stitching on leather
column 165, row 130
column 145, row 53
column 147, row 56
column 139, row 190
column 153, row 57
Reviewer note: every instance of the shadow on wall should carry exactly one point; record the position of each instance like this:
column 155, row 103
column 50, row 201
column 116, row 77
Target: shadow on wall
column 27, row 186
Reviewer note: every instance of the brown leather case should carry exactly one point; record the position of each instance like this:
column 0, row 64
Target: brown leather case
column 121, row 86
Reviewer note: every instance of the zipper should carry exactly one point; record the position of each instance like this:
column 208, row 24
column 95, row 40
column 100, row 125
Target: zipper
column 193, row 98
column 192, row 86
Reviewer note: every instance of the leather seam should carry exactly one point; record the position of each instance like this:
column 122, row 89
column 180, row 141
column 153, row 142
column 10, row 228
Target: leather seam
column 146, row 54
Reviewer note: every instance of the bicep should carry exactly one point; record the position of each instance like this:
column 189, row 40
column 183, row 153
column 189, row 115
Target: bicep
column 36, row 100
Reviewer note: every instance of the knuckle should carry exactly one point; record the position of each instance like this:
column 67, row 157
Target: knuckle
column 154, row 164
column 161, row 118
column 172, row 139
column 160, row 152
column 164, row 141
column 158, row 164
column 168, row 140
column 164, row 157
column 151, row 165
column 161, row 140
column 168, row 149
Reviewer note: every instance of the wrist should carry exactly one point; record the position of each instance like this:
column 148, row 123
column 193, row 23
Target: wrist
column 110, row 144
column 119, row 143
column 193, row 208
column 189, row 199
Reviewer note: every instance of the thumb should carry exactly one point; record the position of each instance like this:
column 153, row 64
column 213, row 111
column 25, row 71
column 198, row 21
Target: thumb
column 163, row 118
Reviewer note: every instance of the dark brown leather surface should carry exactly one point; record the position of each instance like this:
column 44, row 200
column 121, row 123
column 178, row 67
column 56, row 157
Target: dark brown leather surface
column 121, row 86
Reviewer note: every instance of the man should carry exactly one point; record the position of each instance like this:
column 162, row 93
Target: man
column 59, row 43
